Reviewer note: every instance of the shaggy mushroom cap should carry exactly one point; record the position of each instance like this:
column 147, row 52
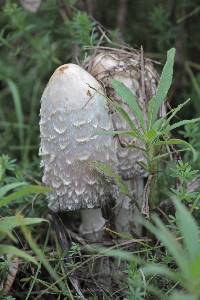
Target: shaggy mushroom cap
column 73, row 109
column 125, row 67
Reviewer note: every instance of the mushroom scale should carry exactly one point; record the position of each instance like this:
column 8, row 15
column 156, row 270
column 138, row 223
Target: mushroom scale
column 73, row 110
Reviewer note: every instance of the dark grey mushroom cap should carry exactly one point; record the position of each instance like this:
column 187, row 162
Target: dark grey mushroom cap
column 73, row 110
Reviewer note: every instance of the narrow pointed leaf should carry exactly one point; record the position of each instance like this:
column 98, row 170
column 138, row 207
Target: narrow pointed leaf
column 44, row 261
column 9, row 223
column 126, row 117
column 189, row 229
column 24, row 191
column 160, row 270
column 116, row 132
column 178, row 142
column 5, row 189
column 172, row 245
column 18, row 107
column 174, row 111
column 7, row 249
column 158, row 123
column 130, row 99
column 184, row 122
column 170, row 242
column 163, row 86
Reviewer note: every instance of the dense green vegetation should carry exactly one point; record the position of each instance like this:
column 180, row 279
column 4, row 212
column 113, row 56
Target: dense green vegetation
column 165, row 264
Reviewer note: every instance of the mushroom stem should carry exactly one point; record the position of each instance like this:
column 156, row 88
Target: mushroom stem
column 92, row 223
column 126, row 212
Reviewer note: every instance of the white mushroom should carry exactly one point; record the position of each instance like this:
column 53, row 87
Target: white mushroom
column 73, row 109
column 141, row 78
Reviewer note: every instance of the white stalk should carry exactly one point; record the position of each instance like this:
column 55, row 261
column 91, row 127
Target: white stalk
column 92, row 223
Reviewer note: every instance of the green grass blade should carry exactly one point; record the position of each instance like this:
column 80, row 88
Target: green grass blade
column 8, row 187
column 39, row 267
column 116, row 132
column 160, row 270
column 18, row 108
column 7, row 249
column 170, row 242
column 44, row 261
column 9, row 223
column 181, row 123
column 189, row 230
column 32, row 121
column 24, row 191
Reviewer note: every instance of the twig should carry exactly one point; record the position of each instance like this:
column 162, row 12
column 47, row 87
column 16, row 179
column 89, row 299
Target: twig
column 147, row 190
column 144, row 97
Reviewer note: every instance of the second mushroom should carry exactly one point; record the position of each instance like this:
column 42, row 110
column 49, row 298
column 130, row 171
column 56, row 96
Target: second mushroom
column 139, row 75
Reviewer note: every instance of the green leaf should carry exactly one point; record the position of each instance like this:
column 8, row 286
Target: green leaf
column 9, row 223
column 24, row 191
column 181, row 123
column 163, row 87
column 7, row 249
column 116, row 132
column 172, row 245
column 5, row 233
column 130, row 99
column 170, row 242
column 18, row 107
column 165, row 80
column 160, row 156
column 158, row 124
column 178, row 142
column 151, row 135
column 126, row 117
column 174, row 111
column 5, row 189
column 160, row 270
column 194, row 273
column 189, row 229
column 57, row 278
